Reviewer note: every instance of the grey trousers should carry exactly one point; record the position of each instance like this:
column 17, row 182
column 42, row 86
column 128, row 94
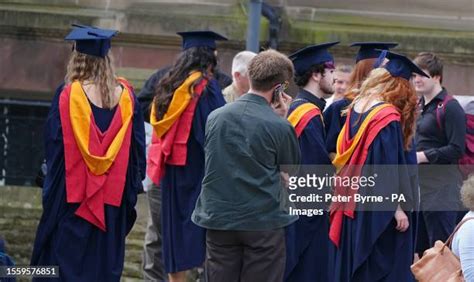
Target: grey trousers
column 245, row 256
column 153, row 269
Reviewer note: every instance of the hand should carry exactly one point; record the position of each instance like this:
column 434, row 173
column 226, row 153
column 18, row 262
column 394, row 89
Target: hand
column 282, row 105
column 285, row 179
column 416, row 257
column 402, row 220
column 421, row 158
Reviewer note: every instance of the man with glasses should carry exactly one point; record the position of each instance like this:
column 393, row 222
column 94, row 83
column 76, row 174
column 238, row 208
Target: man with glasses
column 309, row 251
column 240, row 203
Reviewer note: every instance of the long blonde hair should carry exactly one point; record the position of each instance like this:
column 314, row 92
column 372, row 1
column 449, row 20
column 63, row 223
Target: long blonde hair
column 399, row 92
column 100, row 71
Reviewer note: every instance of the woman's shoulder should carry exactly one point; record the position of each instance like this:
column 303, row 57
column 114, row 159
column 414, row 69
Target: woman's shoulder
column 339, row 105
column 468, row 225
column 376, row 108
column 57, row 93
column 124, row 83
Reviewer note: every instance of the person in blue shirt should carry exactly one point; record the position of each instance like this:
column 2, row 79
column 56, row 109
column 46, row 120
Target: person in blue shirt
column 463, row 239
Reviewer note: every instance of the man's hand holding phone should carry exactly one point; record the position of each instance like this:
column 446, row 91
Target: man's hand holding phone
column 282, row 105
column 281, row 101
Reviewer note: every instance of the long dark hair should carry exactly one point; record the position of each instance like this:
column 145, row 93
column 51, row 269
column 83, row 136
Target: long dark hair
column 192, row 59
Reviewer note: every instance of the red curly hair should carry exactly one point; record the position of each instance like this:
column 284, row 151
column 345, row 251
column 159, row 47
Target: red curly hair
column 394, row 90
column 358, row 75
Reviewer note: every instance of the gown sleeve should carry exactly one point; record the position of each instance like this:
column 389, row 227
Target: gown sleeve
column 387, row 159
column 53, row 144
column 334, row 122
column 138, row 140
column 210, row 100
column 313, row 145
column 379, row 243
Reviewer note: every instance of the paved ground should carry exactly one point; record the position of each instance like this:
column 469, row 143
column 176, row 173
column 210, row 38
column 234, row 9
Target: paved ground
column 20, row 211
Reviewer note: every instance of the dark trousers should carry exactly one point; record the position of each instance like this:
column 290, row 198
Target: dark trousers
column 153, row 269
column 435, row 225
column 245, row 256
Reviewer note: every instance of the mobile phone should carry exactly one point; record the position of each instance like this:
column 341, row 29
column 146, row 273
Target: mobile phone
column 277, row 94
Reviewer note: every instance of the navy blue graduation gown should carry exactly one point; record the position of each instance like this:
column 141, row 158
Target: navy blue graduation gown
column 309, row 251
column 5, row 260
column 184, row 243
column 82, row 251
column 371, row 249
column 334, row 121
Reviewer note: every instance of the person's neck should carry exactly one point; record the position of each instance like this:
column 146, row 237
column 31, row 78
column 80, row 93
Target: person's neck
column 238, row 90
column 316, row 92
column 429, row 96
column 337, row 97
column 266, row 95
column 364, row 104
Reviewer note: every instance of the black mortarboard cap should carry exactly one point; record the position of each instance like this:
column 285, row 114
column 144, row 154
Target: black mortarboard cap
column 369, row 50
column 399, row 65
column 306, row 57
column 91, row 40
column 200, row 38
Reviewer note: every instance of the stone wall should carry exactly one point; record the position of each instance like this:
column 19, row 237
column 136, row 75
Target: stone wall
column 33, row 53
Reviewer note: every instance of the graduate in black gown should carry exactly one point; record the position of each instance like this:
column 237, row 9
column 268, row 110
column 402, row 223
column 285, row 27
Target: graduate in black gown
column 309, row 251
column 95, row 155
column 334, row 115
column 184, row 98
column 376, row 242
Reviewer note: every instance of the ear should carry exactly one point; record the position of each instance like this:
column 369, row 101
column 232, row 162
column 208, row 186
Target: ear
column 237, row 74
column 316, row 77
